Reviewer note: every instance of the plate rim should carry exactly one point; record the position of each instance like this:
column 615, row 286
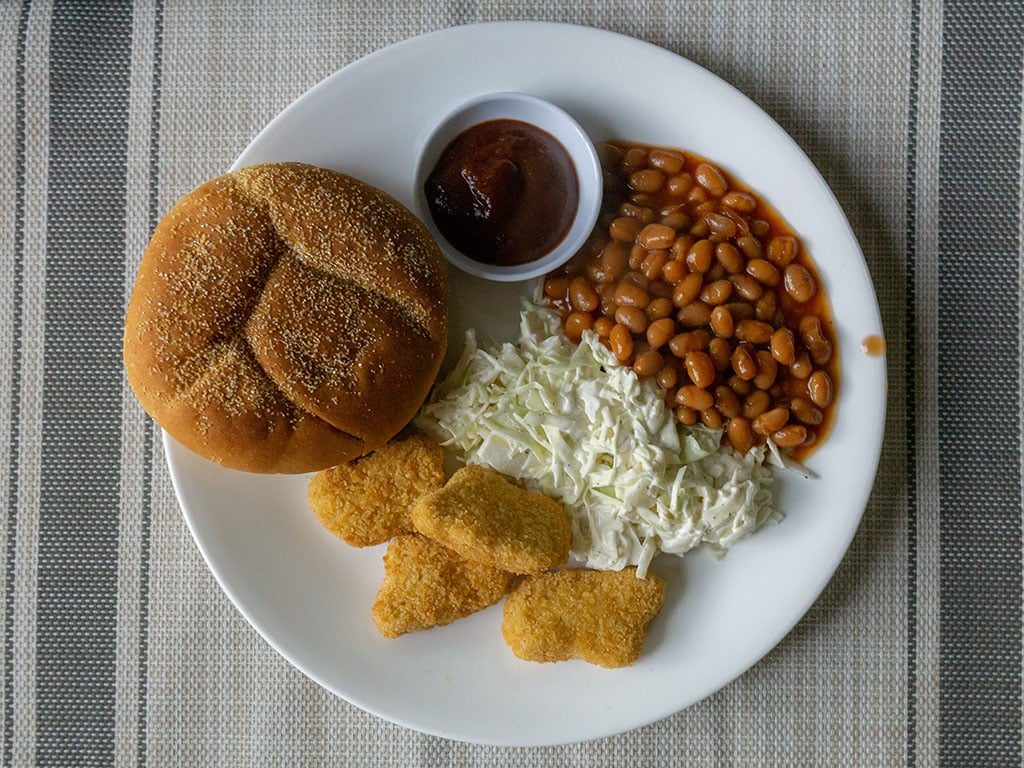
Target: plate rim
column 877, row 429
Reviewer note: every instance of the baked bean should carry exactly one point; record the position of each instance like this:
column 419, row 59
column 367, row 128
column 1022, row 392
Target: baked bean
column 670, row 163
column 624, row 229
column 716, row 293
column 582, row 295
column 615, row 260
column 647, row 181
column 680, row 184
column 741, row 310
column 763, row 271
column 799, row 283
column 711, row 179
column 721, row 226
column 677, row 220
column 694, row 314
column 630, row 294
column 637, row 254
column 795, row 387
column 699, row 257
column 652, row 265
column 697, row 195
column 805, row 412
column 603, row 327
column 790, row 436
column 783, row 346
column 739, row 434
column 555, row 288
column 634, row 159
column 782, row 249
column 687, row 290
column 740, row 386
column 729, row 257
column 668, row 377
column 686, row 416
column 726, row 402
column 699, row 229
column 750, row 246
column 756, row 403
column 576, row 323
column 621, row 341
column 766, row 307
column 767, row 370
column 711, row 418
column 801, row 368
column 721, row 322
column 739, row 201
column 644, row 199
column 648, row 364
column 695, row 397
column 721, row 352
column 771, row 421
column 681, row 247
column 747, row 287
column 819, row 389
column 708, row 206
column 660, row 331
column 673, row 271
column 715, row 273
column 633, row 318
column 754, row 331
column 659, row 308
column 759, row 227
column 700, row 368
column 656, row 236
column 608, row 305
column 640, row 213
column 817, row 345
column 743, row 362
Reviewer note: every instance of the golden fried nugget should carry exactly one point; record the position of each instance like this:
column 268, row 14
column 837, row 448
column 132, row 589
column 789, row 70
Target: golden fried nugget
column 485, row 518
column 598, row 616
column 427, row 585
column 367, row 501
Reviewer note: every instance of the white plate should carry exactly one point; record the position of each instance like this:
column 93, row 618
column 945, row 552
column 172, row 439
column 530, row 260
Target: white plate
column 309, row 595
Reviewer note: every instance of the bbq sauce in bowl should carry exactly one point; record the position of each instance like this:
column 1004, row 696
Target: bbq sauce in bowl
column 504, row 192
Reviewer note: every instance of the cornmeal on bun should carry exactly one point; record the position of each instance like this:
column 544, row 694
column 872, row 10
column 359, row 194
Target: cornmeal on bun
column 286, row 318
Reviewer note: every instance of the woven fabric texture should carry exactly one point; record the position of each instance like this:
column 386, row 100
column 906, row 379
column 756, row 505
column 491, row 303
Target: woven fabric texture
column 120, row 649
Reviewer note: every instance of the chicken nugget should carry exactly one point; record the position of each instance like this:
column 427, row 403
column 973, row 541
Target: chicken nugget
column 598, row 616
column 427, row 585
column 485, row 518
column 367, row 501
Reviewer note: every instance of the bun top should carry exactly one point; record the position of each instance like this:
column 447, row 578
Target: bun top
column 286, row 318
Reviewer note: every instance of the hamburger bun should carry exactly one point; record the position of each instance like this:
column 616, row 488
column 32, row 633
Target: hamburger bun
column 286, row 318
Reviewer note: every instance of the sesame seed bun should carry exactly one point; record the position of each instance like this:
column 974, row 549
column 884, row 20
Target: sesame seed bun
column 286, row 318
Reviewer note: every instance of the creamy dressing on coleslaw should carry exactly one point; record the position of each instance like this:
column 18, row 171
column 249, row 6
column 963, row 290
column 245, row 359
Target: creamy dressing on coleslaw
column 569, row 421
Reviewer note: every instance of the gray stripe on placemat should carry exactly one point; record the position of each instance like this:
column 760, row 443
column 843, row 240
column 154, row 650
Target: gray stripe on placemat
column 910, row 381
column 82, row 384
column 980, row 580
column 147, row 487
column 15, row 435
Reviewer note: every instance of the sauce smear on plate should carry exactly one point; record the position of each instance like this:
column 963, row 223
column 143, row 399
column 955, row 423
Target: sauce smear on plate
column 504, row 192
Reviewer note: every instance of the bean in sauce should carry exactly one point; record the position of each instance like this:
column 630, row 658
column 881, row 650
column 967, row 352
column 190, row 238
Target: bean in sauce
column 711, row 292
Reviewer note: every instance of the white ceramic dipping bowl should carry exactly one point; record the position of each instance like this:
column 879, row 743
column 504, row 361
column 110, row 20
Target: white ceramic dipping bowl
column 547, row 117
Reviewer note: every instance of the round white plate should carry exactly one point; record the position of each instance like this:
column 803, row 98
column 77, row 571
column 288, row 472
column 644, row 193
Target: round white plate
column 309, row 594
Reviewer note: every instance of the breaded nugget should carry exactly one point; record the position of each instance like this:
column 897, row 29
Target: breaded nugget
column 367, row 501
column 485, row 518
column 598, row 616
column 427, row 585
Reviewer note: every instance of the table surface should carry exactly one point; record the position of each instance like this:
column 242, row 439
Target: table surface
column 119, row 648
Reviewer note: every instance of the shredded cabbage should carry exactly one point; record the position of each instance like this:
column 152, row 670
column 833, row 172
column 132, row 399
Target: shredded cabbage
column 569, row 421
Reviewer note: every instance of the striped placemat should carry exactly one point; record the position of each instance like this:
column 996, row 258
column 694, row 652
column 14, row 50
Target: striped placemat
column 119, row 648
